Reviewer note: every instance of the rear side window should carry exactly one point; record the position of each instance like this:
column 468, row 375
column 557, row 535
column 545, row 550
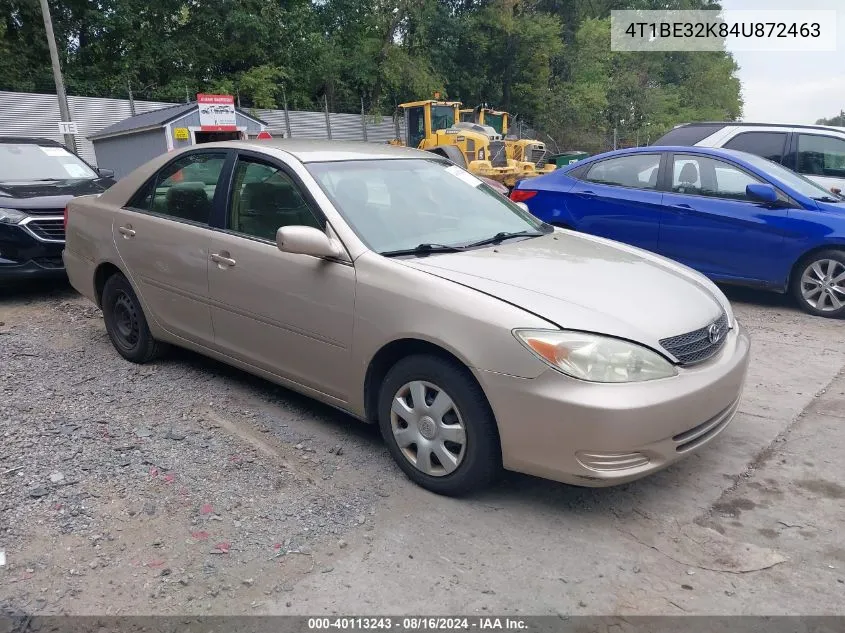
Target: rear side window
column 766, row 144
column 183, row 189
column 688, row 134
column 821, row 155
column 637, row 171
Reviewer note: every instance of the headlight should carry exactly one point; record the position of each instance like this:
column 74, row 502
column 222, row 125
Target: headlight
column 595, row 358
column 11, row 216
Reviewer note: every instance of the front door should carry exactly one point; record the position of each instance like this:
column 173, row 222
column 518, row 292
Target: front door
column 618, row 199
column 711, row 226
column 288, row 314
column 163, row 238
column 822, row 159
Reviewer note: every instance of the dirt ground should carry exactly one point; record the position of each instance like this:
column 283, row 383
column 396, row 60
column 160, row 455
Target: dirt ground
column 187, row 487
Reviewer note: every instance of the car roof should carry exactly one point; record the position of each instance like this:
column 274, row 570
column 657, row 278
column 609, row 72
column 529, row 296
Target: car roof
column 313, row 151
column 752, row 124
column 716, row 152
column 29, row 140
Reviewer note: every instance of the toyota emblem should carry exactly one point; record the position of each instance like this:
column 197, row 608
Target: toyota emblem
column 714, row 333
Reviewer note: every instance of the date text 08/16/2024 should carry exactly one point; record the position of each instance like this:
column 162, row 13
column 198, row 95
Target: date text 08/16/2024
column 421, row 623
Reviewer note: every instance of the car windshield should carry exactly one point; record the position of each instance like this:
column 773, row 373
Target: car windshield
column 27, row 162
column 396, row 205
column 799, row 183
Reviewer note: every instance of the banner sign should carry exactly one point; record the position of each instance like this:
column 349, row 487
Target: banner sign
column 217, row 113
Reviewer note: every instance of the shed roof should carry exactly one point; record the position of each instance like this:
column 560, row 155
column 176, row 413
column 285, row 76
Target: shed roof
column 154, row 119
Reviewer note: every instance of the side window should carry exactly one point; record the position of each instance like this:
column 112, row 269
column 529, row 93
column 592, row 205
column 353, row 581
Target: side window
column 183, row 189
column 821, row 155
column 265, row 198
column 638, row 171
column 766, row 144
column 703, row 176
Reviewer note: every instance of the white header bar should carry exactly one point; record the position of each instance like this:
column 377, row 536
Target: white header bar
column 739, row 30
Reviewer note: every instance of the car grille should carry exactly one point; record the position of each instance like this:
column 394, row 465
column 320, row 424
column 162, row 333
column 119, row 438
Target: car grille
column 538, row 155
column 697, row 346
column 41, row 212
column 53, row 230
column 498, row 156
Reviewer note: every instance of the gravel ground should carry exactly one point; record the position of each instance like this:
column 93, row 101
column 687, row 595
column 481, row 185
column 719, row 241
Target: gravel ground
column 187, row 487
column 170, row 482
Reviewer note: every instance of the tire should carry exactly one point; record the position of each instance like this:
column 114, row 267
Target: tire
column 126, row 324
column 452, row 152
column 476, row 462
column 818, row 284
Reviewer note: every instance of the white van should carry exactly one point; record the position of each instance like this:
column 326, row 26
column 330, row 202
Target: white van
column 814, row 151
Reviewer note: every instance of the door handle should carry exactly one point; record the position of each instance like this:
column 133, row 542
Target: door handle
column 127, row 231
column 223, row 260
column 586, row 194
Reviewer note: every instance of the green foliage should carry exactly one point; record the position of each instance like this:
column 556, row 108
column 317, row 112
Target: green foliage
column 838, row 120
column 547, row 61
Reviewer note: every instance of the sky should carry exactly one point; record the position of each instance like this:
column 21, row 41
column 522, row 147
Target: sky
column 792, row 87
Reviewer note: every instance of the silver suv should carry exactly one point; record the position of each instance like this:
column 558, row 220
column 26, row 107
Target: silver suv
column 814, row 151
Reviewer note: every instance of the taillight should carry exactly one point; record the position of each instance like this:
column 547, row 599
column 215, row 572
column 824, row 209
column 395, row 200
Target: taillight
column 521, row 195
column 65, row 219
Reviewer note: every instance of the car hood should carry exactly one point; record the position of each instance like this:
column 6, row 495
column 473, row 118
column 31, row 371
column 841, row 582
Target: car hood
column 50, row 194
column 587, row 283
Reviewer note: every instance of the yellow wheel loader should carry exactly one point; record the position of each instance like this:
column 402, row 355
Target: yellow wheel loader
column 436, row 126
column 521, row 150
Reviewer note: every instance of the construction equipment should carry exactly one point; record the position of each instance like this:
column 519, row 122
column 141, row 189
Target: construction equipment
column 436, row 126
column 521, row 150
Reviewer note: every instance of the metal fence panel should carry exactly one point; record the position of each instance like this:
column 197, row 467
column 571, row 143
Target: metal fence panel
column 34, row 114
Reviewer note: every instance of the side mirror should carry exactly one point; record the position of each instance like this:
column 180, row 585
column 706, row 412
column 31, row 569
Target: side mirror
column 306, row 240
column 761, row 193
column 106, row 173
column 523, row 206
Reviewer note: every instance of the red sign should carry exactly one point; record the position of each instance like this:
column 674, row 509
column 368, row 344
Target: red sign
column 263, row 135
column 217, row 113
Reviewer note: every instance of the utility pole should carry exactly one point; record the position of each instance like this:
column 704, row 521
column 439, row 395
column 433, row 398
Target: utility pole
column 131, row 98
column 64, row 110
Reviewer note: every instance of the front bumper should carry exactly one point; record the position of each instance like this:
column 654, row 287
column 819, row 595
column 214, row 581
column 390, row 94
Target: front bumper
column 593, row 434
column 22, row 256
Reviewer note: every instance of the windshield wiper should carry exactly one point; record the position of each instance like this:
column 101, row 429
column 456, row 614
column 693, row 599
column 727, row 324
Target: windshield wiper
column 504, row 235
column 424, row 249
column 828, row 199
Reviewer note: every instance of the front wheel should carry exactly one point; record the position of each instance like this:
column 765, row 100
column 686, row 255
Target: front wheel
column 819, row 284
column 438, row 426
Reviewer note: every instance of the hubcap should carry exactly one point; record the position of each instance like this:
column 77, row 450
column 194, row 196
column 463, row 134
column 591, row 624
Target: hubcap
column 823, row 285
column 127, row 328
column 428, row 428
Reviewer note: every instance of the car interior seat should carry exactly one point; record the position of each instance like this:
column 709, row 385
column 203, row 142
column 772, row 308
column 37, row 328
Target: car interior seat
column 266, row 206
column 189, row 201
column 687, row 179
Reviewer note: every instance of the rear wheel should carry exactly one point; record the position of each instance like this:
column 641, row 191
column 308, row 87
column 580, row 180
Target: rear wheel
column 438, row 426
column 819, row 284
column 126, row 324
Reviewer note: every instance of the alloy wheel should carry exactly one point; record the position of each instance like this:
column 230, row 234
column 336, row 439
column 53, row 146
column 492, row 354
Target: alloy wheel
column 823, row 285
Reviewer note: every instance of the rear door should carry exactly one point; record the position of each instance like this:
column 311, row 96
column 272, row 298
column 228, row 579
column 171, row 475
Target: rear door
column 711, row 226
column 618, row 198
column 768, row 144
column 163, row 238
column 285, row 313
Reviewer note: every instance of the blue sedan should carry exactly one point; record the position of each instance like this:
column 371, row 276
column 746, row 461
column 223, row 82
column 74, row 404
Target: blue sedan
column 735, row 217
